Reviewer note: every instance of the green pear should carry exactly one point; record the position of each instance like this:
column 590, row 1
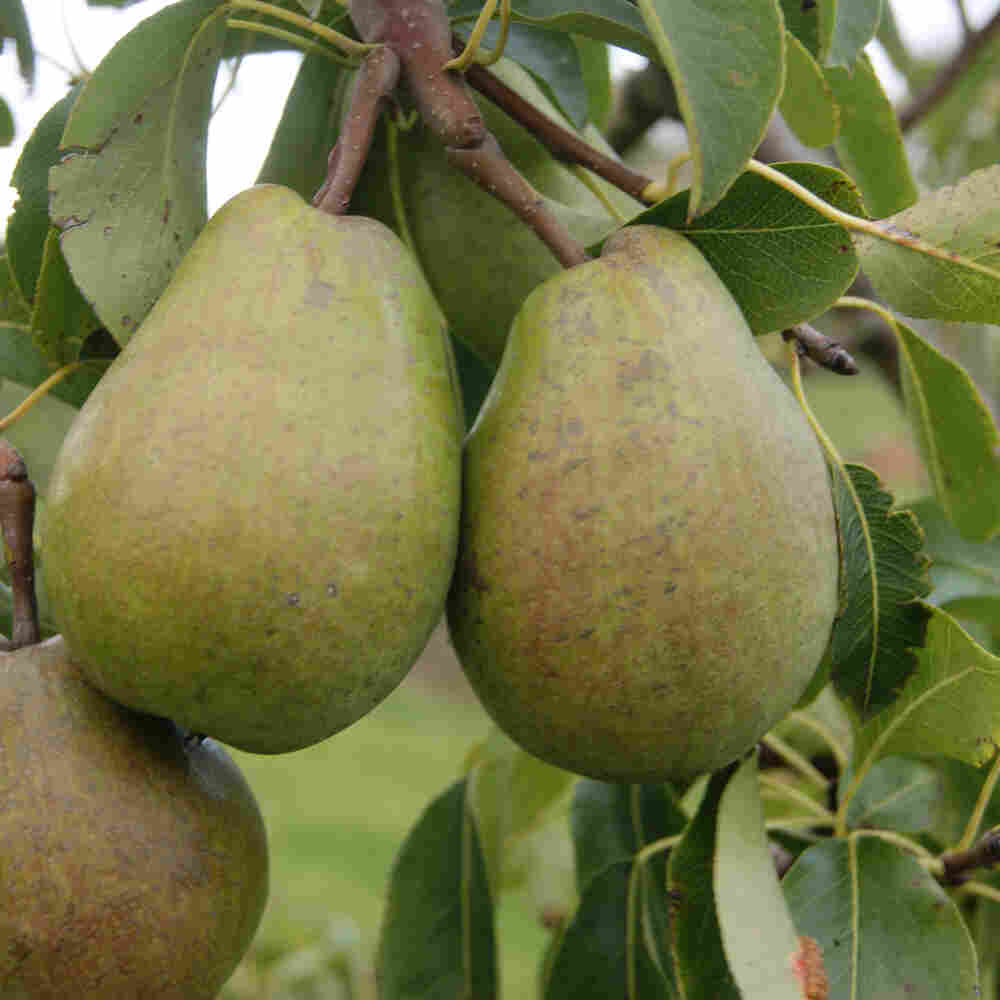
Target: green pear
column 480, row 259
column 252, row 523
column 134, row 860
column 648, row 562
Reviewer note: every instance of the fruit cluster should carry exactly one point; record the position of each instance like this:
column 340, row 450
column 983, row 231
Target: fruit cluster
column 269, row 502
column 255, row 522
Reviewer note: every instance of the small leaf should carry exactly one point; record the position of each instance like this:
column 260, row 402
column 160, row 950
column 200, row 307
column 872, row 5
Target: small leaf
column 932, row 796
column 61, row 320
column 950, row 705
column 28, row 225
column 854, row 27
column 958, row 437
column 610, row 822
column 595, row 66
column 726, row 61
column 781, row 260
column 807, row 103
column 616, row 22
column 803, row 21
column 747, row 894
column 884, row 572
column 14, row 24
column 699, row 957
column 437, row 938
column 308, row 127
column 965, row 576
column 870, row 143
column 22, row 362
column 885, row 927
column 948, row 266
column 6, row 123
column 598, row 955
column 509, row 793
column 129, row 191
column 13, row 308
column 550, row 56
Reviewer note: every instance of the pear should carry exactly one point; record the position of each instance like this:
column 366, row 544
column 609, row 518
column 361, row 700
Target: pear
column 252, row 523
column 648, row 563
column 134, row 860
column 480, row 259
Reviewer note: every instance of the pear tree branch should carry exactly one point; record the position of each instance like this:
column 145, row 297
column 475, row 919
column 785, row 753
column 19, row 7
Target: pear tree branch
column 17, row 518
column 372, row 90
column 941, row 86
column 818, row 347
column 419, row 34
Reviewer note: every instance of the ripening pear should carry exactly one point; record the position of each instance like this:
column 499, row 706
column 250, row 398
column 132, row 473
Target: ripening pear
column 134, row 862
column 480, row 259
column 252, row 522
column 648, row 562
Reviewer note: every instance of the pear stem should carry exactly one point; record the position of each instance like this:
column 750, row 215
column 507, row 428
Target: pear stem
column 17, row 518
column 563, row 144
column 419, row 34
column 372, row 89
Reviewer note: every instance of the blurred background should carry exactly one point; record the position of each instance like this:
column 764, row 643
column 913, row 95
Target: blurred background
column 338, row 812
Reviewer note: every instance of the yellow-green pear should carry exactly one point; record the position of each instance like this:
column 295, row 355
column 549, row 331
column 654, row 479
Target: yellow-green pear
column 252, row 522
column 479, row 257
column 134, row 862
column 648, row 562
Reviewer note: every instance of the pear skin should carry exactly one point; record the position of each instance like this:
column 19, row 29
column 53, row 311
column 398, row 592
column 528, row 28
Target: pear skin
column 134, row 861
column 252, row 523
column 648, row 565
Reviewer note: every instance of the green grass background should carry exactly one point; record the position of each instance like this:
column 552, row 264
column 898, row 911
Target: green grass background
column 337, row 813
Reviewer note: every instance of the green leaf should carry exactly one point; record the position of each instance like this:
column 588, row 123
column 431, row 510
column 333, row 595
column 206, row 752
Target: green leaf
column 550, row 56
column 616, row 22
column 932, row 796
column 22, row 362
column 965, row 576
column 13, row 308
column 6, row 123
column 509, row 793
column 803, row 21
column 949, row 705
column 37, row 434
column 61, row 320
column 855, row 26
column 958, row 437
column 436, row 941
column 699, row 957
column 610, row 822
column 28, row 225
column 870, row 144
column 781, row 260
column 807, row 103
column 475, row 377
column 948, row 266
column 129, row 191
column 747, row 895
column 604, row 948
column 14, row 24
column 883, row 574
column 886, row 928
column 595, row 66
column 726, row 60
column 309, row 125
